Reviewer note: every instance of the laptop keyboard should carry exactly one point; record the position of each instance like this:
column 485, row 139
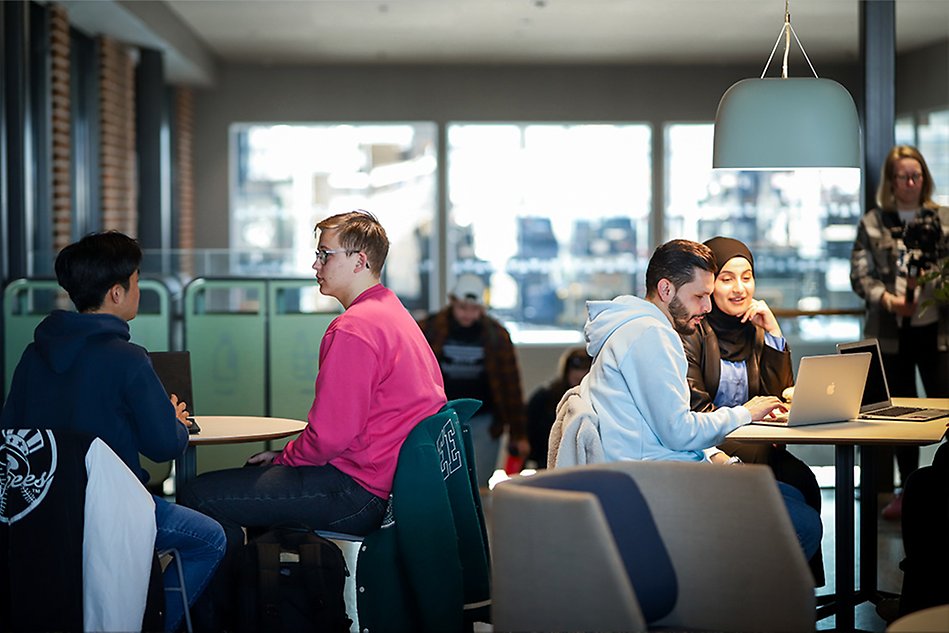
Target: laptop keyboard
column 896, row 411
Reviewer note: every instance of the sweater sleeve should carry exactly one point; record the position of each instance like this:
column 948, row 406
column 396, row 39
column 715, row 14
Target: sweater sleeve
column 12, row 415
column 775, row 371
column 655, row 373
column 865, row 279
column 343, row 394
column 160, row 436
column 505, row 380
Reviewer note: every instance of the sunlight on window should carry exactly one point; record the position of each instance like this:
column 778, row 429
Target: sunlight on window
column 550, row 215
column 933, row 133
column 285, row 178
column 800, row 225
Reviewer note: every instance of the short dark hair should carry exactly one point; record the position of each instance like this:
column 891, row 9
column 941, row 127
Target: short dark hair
column 88, row 268
column 676, row 260
column 360, row 231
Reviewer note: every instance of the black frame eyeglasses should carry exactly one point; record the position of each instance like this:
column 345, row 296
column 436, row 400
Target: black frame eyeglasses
column 323, row 254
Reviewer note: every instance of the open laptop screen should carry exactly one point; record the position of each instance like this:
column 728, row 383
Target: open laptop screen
column 174, row 372
column 877, row 392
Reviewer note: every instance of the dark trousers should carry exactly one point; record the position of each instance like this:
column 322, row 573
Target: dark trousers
column 917, row 349
column 925, row 526
column 319, row 497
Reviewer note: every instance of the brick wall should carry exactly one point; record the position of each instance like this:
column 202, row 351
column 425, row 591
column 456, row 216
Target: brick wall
column 117, row 124
column 61, row 124
column 119, row 189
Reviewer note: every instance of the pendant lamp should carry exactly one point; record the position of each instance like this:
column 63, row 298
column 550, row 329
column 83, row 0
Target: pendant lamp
column 786, row 123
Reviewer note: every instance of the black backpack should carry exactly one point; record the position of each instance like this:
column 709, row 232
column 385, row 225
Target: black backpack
column 292, row 579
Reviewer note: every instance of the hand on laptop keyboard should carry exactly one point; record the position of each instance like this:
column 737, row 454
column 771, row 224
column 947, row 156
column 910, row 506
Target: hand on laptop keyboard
column 762, row 406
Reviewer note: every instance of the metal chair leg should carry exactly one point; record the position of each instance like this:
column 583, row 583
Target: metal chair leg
column 176, row 559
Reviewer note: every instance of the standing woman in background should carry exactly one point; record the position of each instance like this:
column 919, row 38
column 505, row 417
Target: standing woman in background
column 896, row 242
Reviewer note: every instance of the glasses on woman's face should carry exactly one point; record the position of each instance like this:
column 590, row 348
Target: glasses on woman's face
column 905, row 178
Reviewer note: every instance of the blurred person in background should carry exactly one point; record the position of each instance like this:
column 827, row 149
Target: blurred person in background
column 574, row 364
column 904, row 236
column 478, row 360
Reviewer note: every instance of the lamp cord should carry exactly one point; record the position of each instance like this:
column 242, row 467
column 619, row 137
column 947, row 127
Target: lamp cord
column 787, row 30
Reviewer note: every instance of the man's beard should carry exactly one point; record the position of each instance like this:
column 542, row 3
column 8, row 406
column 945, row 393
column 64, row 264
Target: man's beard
column 681, row 319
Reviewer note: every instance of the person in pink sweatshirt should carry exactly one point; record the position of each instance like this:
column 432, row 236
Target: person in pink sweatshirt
column 377, row 378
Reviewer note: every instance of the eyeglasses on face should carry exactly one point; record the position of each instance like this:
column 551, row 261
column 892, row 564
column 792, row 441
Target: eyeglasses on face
column 904, row 178
column 323, row 254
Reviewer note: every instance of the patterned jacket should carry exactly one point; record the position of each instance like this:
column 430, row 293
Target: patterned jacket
column 500, row 365
column 873, row 270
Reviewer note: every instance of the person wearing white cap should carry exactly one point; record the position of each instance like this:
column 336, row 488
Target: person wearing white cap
column 477, row 360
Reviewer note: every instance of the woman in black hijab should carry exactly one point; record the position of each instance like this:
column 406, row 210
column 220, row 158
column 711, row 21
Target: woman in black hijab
column 738, row 352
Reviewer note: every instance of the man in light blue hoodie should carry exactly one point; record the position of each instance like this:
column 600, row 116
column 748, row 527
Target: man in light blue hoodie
column 638, row 386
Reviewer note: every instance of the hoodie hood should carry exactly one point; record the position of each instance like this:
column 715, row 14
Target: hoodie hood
column 61, row 337
column 605, row 317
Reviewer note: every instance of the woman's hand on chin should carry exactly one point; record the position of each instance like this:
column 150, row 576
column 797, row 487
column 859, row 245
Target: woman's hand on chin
column 760, row 315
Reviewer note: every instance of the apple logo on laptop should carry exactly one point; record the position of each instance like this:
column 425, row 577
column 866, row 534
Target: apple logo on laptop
column 831, row 388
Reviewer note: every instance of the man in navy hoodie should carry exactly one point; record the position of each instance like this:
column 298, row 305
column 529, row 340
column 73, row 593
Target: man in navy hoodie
column 82, row 374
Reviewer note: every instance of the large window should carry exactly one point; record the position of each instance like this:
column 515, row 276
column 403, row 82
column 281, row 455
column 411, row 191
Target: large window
column 285, row 178
column 550, row 215
column 929, row 132
column 932, row 131
column 800, row 226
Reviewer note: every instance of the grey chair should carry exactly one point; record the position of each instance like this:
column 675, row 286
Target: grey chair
column 735, row 557
column 931, row 620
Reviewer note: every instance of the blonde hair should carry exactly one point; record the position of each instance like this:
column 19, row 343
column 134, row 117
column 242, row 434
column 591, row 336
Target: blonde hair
column 886, row 200
column 359, row 231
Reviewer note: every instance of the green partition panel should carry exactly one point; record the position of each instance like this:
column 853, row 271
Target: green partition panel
column 295, row 335
column 151, row 327
column 26, row 302
column 225, row 331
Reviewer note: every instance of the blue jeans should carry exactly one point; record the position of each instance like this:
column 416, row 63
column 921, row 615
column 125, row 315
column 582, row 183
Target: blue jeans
column 200, row 544
column 485, row 447
column 804, row 518
column 320, row 497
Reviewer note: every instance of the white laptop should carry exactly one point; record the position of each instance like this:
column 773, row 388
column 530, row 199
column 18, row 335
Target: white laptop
column 876, row 404
column 828, row 389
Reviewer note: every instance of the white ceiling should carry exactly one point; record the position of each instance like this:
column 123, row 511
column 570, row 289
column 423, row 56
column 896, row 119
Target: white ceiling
column 538, row 31
column 196, row 34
